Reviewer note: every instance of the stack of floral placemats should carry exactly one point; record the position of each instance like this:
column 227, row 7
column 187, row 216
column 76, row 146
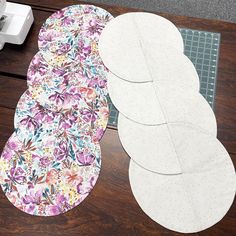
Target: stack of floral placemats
column 52, row 161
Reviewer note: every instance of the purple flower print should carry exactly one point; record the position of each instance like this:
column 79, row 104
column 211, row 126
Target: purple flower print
column 68, row 120
column 30, row 208
column 66, row 79
column 65, row 124
column 67, row 20
column 83, row 50
column 61, row 151
column 74, row 93
column 47, row 37
column 89, row 115
column 38, row 65
column 98, row 135
column 93, row 82
column 85, row 159
column 58, row 98
column 33, row 197
column 11, row 146
column 44, row 162
column 59, row 14
column 102, row 83
column 94, row 28
column 61, row 200
column 64, row 48
column 79, row 188
column 85, row 189
column 44, row 116
column 30, row 123
column 7, row 154
column 61, row 205
column 58, row 71
column 92, row 181
column 17, row 175
column 53, row 210
column 49, row 116
column 96, row 82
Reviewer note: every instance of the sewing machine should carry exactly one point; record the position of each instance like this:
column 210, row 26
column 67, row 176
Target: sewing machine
column 15, row 22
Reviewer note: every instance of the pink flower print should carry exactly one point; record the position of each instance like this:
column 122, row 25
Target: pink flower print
column 88, row 93
column 60, row 205
column 17, row 175
column 30, row 123
column 85, row 159
column 35, row 156
column 104, row 111
column 79, row 188
column 61, row 152
column 89, row 115
column 73, row 177
column 52, row 177
column 65, row 124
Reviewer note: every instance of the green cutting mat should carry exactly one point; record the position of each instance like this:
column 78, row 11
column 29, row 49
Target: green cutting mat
column 202, row 48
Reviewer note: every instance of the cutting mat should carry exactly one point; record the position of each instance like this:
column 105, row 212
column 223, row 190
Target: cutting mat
column 202, row 48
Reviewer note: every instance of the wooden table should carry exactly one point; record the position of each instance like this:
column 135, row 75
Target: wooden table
column 111, row 208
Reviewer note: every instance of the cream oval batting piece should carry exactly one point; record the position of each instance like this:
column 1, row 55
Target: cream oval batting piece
column 158, row 103
column 124, row 42
column 196, row 199
column 153, row 146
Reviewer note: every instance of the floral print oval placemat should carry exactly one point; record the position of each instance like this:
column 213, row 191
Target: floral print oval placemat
column 51, row 176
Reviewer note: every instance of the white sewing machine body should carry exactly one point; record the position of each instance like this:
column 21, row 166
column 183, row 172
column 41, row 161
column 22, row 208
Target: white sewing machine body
column 15, row 23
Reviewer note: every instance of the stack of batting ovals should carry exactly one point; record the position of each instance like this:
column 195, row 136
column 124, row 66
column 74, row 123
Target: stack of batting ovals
column 180, row 174
column 52, row 161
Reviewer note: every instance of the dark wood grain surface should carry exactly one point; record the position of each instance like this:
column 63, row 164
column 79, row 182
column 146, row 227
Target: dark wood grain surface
column 111, row 208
